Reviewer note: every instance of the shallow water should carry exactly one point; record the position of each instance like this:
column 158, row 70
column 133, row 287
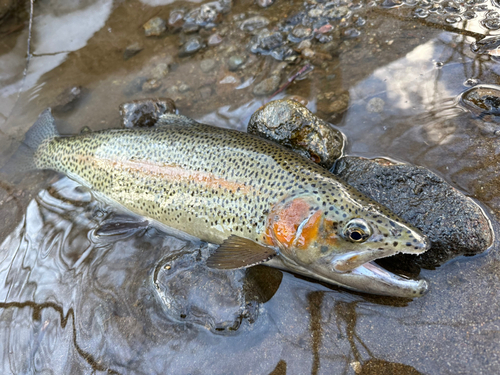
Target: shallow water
column 84, row 289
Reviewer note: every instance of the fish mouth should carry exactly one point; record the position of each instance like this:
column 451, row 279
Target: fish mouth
column 366, row 278
column 388, row 283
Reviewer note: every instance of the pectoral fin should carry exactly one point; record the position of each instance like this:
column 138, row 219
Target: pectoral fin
column 237, row 252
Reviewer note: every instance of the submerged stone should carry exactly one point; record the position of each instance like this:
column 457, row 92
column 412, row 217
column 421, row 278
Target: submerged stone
column 292, row 125
column 481, row 100
column 67, row 99
column 145, row 112
column 131, row 50
column 454, row 223
column 192, row 45
column 155, row 27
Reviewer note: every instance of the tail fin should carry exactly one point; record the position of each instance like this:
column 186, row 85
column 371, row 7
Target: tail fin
column 22, row 160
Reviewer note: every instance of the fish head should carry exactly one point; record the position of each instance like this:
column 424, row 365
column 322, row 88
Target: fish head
column 338, row 238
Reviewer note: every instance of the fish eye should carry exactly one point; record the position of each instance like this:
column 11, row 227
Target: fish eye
column 357, row 230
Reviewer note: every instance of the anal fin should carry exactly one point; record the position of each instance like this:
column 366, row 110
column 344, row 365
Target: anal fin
column 238, row 252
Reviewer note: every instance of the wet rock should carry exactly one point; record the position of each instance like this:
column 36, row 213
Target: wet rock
column 176, row 19
column 487, row 46
column 159, row 71
column 254, row 23
column 145, row 112
column 284, row 53
column 455, row 224
column 155, row 27
column 300, row 33
column 132, row 50
column 236, row 61
column 336, row 13
column 214, row 39
column 207, row 65
column 482, row 100
column 339, row 104
column 303, row 45
column 324, row 38
column 265, row 3
column 151, row 85
column 207, row 15
column 265, row 42
column 290, row 124
column 267, row 86
column 205, row 92
column 192, row 45
column 67, row 99
column 184, row 88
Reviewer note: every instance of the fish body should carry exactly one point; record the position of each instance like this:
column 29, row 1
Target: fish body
column 256, row 199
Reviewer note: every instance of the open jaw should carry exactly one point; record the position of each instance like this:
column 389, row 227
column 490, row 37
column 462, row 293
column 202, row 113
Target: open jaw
column 367, row 278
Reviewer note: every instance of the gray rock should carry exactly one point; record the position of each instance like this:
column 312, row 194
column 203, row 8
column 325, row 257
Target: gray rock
column 67, row 99
column 132, row 50
column 159, row 71
column 145, row 112
column 265, row 3
column 236, row 61
column 155, row 27
column 176, row 19
column 184, row 88
column 151, row 85
column 214, row 39
column 207, row 65
column 192, row 45
column 292, row 125
column 454, row 223
column 254, row 23
column 267, row 86
column 265, row 41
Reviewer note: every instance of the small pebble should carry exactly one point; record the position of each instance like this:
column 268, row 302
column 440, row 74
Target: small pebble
column 151, row 85
column 214, row 39
column 265, row 3
column 207, row 65
column 254, row 23
column 267, row 86
column 145, row 112
column 155, row 27
column 183, row 88
column 159, row 71
column 236, row 61
column 192, row 45
column 176, row 19
column 131, row 51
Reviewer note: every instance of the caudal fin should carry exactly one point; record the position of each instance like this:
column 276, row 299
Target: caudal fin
column 22, row 160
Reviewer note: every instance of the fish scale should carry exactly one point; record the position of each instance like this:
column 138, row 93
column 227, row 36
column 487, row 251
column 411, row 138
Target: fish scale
column 257, row 199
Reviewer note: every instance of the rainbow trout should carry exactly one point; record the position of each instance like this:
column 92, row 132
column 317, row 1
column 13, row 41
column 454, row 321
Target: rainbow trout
column 259, row 201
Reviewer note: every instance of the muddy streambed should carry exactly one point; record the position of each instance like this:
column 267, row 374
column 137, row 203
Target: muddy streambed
column 86, row 290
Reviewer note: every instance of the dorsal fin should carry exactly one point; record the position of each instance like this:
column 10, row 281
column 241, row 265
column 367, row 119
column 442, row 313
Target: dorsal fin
column 238, row 252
